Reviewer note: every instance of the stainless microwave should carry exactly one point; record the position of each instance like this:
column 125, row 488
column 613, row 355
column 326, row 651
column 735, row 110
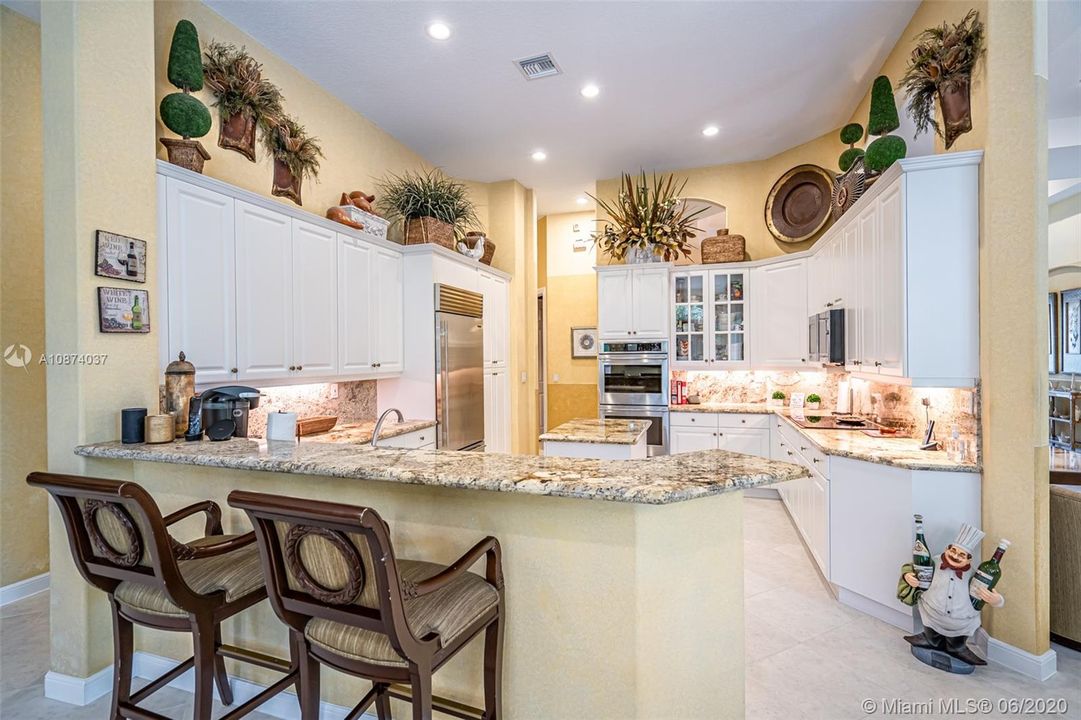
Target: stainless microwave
column 826, row 337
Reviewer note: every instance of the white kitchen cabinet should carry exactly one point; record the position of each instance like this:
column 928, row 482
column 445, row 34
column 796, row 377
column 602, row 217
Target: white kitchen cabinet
column 386, row 304
column 747, row 434
column 632, row 302
column 890, row 279
column 780, row 307
column 749, row 441
column 709, row 319
column 684, row 439
column 315, row 301
column 496, row 411
column 416, row 440
column 264, row 293
column 201, row 271
column 495, row 290
column 356, row 353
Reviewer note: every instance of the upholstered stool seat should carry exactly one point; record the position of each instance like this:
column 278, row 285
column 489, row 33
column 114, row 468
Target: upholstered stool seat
column 351, row 605
column 237, row 573
column 446, row 612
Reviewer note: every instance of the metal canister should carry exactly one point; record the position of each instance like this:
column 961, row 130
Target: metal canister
column 179, row 389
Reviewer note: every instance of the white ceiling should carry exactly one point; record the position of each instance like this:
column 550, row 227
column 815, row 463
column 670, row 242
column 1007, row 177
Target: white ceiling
column 771, row 74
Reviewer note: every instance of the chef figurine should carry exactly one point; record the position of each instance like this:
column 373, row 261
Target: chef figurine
column 949, row 618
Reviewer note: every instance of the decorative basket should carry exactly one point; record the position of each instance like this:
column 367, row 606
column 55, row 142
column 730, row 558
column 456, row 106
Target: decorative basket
column 723, row 248
column 419, row 231
column 489, row 246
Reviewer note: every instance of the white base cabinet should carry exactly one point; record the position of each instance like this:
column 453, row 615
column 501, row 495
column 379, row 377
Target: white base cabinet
column 416, row 440
column 747, row 434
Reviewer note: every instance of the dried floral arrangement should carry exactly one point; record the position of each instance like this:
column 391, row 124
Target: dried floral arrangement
column 648, row 217
column 942, row 64
column 245, row 99
column 296, row 156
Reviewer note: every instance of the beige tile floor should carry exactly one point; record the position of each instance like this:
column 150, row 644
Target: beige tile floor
column 808, row 657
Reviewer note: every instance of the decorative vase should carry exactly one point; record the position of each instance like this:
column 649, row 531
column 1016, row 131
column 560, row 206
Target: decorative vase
column 814, row 406
column 639, row 256
column 419, row 231
column 237, row 132
column 188, row 154
column 954, row 96
column 286, row 184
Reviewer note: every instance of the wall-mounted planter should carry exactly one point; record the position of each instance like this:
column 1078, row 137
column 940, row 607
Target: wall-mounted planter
column 237, row 133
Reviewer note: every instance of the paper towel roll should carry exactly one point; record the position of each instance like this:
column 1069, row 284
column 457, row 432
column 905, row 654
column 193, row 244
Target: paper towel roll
column 281, row 426
column 844, row 398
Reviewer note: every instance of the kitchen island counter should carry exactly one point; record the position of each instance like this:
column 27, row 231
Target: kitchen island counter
column 653, row 481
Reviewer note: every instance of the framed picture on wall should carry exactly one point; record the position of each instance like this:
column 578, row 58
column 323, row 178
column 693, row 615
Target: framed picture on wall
column 120, row 257
column 1070, row 331
column 1052, row 332
column 123, row 310
column 583, row 342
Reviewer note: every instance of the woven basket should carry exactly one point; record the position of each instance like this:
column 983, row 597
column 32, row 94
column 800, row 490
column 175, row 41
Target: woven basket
column 723, row 248
column 419, row 231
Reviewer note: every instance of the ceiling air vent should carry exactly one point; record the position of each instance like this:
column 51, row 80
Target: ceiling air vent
column 538, row 66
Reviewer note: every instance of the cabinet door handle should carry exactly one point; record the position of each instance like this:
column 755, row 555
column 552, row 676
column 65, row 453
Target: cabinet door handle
column 802, row 448
column 789, row 453
column 743, row 421
column 803, row 359
column 782, row 444
column 829, row 304
column 693, row 420
column 233, row 370
column 292, row 367
column 878, row 364
column 814, row 460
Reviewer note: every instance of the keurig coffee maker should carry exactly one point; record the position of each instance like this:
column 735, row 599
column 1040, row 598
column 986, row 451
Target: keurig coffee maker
column 225, row 410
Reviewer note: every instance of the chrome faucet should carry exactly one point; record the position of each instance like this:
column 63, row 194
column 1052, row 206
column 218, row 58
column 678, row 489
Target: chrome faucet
column 379, row 423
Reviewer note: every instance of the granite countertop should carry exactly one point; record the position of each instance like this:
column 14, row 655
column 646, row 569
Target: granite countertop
column 738, row 408
column 592, row 430
column 652, row 481
column 898, row 451
column 361, row 432
column 902, row 452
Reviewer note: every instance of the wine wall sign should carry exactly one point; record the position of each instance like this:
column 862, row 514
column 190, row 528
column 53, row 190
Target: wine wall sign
column 120, row 257
column 123, row 310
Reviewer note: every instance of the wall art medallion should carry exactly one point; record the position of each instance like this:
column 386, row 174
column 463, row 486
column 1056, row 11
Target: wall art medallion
column 583, row 342
column 798, row 205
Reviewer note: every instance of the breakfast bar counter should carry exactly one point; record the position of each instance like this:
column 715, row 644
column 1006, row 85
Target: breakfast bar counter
column 624, row 578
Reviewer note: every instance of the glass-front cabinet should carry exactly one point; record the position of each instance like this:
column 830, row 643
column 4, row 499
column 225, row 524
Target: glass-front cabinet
column 709, row 326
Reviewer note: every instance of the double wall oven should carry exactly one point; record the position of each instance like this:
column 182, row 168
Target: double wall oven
column 633, row 385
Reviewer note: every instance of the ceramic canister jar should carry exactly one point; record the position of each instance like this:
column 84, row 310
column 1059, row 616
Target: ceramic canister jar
column 179, row 389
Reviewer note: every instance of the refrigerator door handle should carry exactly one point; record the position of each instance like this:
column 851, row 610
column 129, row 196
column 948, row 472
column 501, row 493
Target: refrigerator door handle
column 444, row 381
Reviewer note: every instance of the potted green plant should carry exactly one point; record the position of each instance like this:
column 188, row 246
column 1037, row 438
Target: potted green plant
column 245, row 99
column 885, row 149
column 431, row 207
column 777, row 398
column 296, row 156
column 942, row 64
column 181, row 112
column 648, row 220
column 814, row 401
column 851, row 134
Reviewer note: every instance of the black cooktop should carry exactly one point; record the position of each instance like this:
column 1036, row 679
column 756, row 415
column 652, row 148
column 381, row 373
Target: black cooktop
column 832, row 422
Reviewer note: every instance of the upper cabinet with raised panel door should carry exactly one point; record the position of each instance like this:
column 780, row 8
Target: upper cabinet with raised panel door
column 496, row 292
column 779, row 293
column 260, row 292
column 709, row 318
column 632, row 302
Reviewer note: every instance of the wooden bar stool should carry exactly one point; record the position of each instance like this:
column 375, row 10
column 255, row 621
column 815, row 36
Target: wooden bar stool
column 333, row 579
column 122, row 546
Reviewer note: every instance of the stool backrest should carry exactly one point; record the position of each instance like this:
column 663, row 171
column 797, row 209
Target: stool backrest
column 116, row 534
column 329, row 560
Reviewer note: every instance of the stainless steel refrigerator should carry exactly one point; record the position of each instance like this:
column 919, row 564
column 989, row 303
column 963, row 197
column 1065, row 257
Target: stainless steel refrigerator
column 459, row 368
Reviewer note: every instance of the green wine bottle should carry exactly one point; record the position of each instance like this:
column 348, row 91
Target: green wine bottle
column 922, row 564
column 136, row 315
column 987, row 574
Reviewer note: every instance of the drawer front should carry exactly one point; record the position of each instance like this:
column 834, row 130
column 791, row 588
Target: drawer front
column 731, row 420
column 411, row 440
column 794, row 447
column 686, row 419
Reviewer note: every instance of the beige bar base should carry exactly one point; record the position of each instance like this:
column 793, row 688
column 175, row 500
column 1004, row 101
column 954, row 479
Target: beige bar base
column 615, row 610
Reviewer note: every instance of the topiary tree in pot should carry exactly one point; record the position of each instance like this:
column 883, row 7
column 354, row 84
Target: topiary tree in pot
column 851, row 134
column 181, row 112
column 885, row 149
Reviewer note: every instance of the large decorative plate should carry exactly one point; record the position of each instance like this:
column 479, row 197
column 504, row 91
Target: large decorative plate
column 798, row 206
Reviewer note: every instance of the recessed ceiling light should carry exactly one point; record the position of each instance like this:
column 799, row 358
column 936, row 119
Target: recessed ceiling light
column 438, row 31
column 590, row 91
column 580, row 200
column 710, row 130
column 539, row 155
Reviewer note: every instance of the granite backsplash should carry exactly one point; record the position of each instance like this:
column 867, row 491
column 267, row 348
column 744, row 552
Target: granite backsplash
column 898, row 406
column 355, row 402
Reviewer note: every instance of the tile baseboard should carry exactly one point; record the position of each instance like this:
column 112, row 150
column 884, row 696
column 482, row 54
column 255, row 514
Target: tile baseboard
column 23, row 589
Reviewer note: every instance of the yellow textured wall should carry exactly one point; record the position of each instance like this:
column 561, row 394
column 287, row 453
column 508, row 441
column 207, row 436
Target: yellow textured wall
column 24, row 529
column 98, row 106
column 572, row 302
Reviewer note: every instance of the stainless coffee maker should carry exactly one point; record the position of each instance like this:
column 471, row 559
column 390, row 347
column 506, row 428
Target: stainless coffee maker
column 229, row 403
